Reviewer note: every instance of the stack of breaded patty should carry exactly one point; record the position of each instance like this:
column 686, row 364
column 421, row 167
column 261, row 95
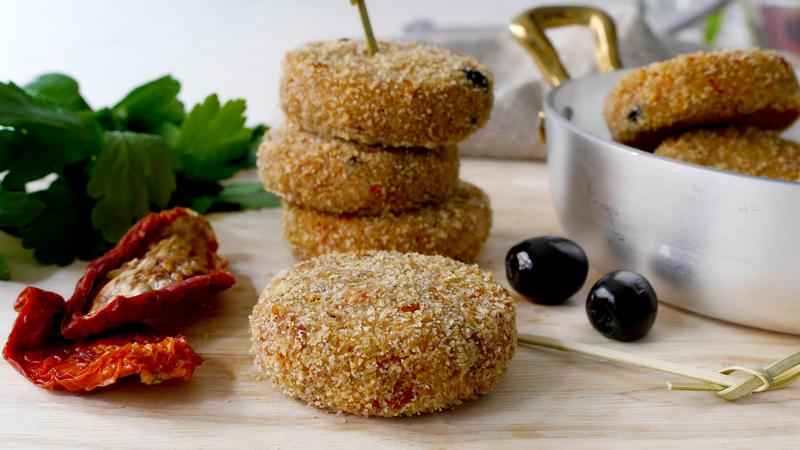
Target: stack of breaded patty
column 723, row 109
column 367, row 158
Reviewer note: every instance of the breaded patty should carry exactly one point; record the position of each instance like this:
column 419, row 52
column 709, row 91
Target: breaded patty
column 383, row 333
column 749, row 87
column 457, row 228
column 740, row 149
column 407, row 95
column 337, row 176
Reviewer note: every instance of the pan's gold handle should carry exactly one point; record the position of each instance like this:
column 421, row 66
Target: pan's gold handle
column 528, row 28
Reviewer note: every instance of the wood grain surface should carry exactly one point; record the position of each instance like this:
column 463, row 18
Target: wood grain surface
column 547, row 399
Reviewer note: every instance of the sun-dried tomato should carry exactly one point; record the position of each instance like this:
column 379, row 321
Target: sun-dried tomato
column 162, row 259
column 36, row 349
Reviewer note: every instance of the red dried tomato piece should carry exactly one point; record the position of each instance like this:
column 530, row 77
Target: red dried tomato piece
column 162, row 259
column 36, row 350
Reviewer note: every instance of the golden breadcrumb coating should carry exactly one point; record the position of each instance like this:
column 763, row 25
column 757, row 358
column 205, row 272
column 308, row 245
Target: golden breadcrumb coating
column 337, row 176
column 383, row 333
column 407, row 95
column 739, row 149
column 750, row 87
column 457, row 228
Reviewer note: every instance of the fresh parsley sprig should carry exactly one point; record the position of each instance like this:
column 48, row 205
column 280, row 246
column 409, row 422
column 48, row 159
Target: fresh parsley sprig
column 112, row 166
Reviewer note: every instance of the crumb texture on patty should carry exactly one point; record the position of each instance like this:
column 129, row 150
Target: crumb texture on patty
column 407, row 95
column 457, row 227
column 337, row 176
column 749, row 87
column 740, row 149
column 383, row 333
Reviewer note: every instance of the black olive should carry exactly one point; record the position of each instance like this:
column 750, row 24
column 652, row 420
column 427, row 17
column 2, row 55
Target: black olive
column 547, row 269
column 634, row 115
column 622, row 305
column 473, row 121
column 476, row 77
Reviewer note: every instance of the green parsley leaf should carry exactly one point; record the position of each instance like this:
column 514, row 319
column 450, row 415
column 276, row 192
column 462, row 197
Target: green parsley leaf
column 19, row 110
column 43, row 139
column 59, row 89
column 245, row 196
column 106, row 118
column 63, row 231
column 148, row 107
column 213, row 141
column 712, row 26
column 202, row 203
column 132, row 173
column 170, row 132
column 255, row 141
column 191, row 193
column 5, row 273
column 233, row 197
column 17, row 209
column 8, row 147
column 115, row 165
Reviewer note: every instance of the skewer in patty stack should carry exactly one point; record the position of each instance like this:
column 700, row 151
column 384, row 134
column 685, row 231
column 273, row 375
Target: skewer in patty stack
column 368, row 157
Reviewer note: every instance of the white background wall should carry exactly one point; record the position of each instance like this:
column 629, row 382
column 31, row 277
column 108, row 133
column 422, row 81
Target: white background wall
column 231, row 47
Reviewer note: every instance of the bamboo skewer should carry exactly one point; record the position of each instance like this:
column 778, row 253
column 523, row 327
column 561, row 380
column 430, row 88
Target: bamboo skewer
column 362, row 11
column 605, row 354
column 775, row 376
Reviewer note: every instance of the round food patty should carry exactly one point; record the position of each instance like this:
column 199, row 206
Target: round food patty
column 749, row 87
column 740, row 149
column 338, row 176
column 407, row 95
column 383, row 333
column 457, row 228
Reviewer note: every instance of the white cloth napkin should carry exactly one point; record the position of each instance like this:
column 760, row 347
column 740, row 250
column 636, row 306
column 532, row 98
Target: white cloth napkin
column 519, row 88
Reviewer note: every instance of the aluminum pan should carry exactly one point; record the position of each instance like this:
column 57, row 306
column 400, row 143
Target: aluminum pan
column 718, row 243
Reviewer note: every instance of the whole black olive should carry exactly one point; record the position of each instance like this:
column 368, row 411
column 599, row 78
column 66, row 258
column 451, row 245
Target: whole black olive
column 547, row 269
column 622, row 305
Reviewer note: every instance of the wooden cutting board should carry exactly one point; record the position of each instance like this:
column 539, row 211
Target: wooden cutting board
column 547, row 399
